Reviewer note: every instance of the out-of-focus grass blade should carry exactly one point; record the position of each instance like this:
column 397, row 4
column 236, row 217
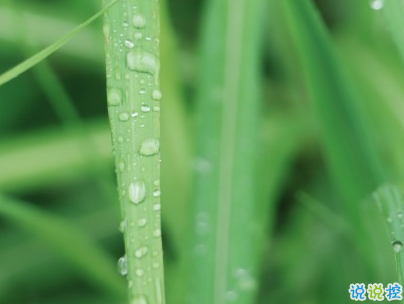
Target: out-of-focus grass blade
column 222, row 263
column 390, row 201
column 38, row 57
column 50, row 156
column 393, row 14
column 70, row 243
column 349, row 152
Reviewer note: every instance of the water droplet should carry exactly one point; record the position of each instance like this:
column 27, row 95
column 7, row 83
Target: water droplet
column 120, row 139
column 156, row 95
column 399, row 214
column 114, row 97
column 145, row 108
column 123, row 266
column 141, row 252
column 156, row 182
column 137, row 191
column 142, row 222
column 377, row 4
column 122, row 226
column 156, row 207
column 129, row 44
column 244, row 280
column 139, row 272
column 142, row 91
column 138, row 36
column 231, row 296
column 397, row 246
column 389, row 220
column 155, row 265
column 124, row 116
column 139, row 21
column 157, row 233
column 143, row 62
column 150, row 146
column 121, row 166
column 125, row 24
column 156, row 109
column 156, row 193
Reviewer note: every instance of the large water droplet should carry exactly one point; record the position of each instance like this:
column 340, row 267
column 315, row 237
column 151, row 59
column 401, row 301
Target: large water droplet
column 143, row 62
column 139, row 21
column 150, row 146
column 141, row 252
column 137, row 191
column 123, row 266
column 397, row 246
column 114, row 97
column 377, row 4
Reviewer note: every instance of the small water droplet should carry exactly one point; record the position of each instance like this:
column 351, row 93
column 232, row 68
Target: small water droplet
column 156, row 207
column 141, row 252
column 399, row 214
column 143, row 62
column 156, row 183
column 139, row 300
column 156, row 109
column 135, row 114
column 231, row 296
column 121, row 166
column 377, row 4
column 389, row 220
column 124, row 116
column 137, row 191
column 142, row 222
column 129, row 44
column 139, row 272
column 121, row 139
column 125, row 24
column 397, row 246
column 114, row 97
column 150, row 146
column 157, row 233
column 145, row 108
column 123, row 266
column 122, row 226
column 156, row 95
column 139, row 21
column 155, row 265
column 156, row 193
column 142, row 91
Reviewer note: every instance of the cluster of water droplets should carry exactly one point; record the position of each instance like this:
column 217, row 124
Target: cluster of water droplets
column 243, row 282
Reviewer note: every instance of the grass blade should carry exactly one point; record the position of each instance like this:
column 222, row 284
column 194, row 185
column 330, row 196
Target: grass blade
column 38, row 57
column 390, row 201
column 222, row 266
column 71, row 244
column 350, row 154
column 132, row 33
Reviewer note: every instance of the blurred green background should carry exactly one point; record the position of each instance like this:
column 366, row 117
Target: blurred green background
column 56, row 170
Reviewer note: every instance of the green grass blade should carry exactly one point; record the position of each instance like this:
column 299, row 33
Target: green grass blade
column 70, row 243
column 393, row 14
column 38, row 57
column 132, row 33
column 390, row 201
column 222, row 266
column 350, row 154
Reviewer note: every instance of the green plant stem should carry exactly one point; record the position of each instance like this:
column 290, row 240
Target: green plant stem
column 222, row 263
column 132, row 33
